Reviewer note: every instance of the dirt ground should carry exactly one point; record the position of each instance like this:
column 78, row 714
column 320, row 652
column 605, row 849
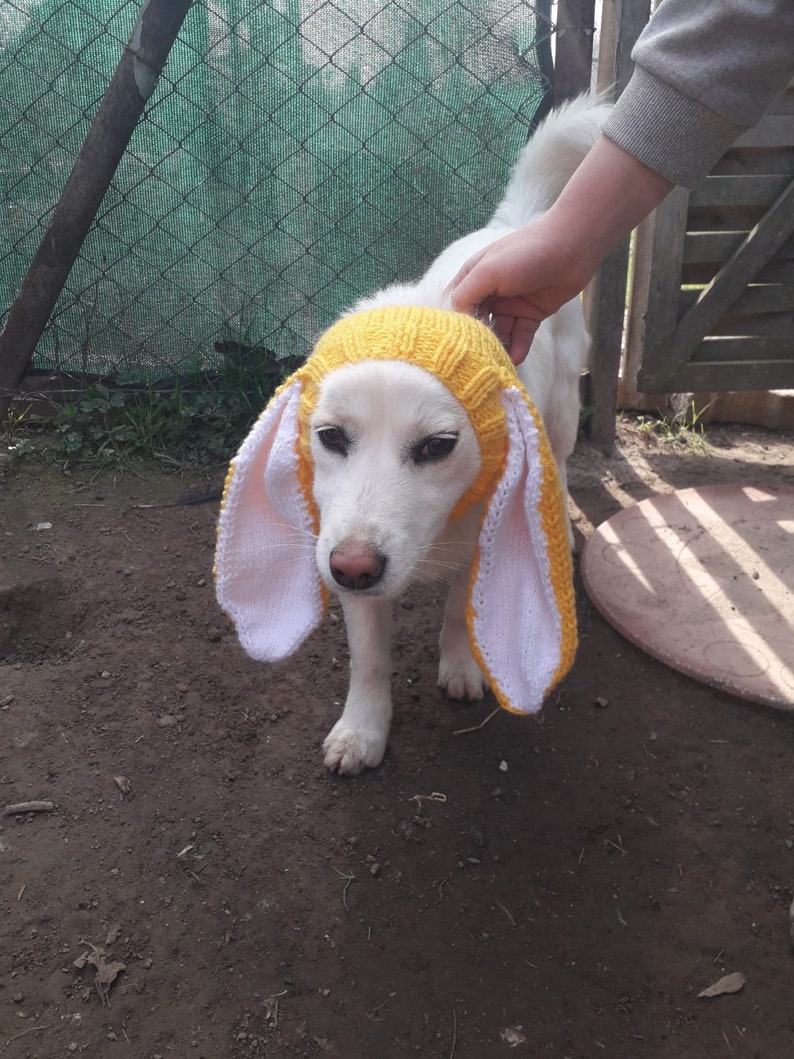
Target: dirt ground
column 561, row 889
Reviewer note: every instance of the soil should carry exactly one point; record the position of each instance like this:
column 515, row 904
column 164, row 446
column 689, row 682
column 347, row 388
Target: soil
column 562, row 889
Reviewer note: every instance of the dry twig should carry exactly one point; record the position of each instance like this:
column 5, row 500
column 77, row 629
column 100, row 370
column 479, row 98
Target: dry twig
column 28, row 807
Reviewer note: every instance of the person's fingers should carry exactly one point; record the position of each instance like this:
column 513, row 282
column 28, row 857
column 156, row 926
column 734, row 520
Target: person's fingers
column 467, row 291
column 502, row 325
column 524, row 331
column 515, row 333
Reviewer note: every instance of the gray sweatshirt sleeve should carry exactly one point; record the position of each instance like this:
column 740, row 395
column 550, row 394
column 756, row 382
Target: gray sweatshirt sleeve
column 704, row 72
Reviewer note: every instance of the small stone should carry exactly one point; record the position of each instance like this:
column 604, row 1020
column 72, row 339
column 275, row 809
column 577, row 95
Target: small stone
column 166, row 721
column 374, row 869
column 503, row 766
column 105, row 674
column 601, row 702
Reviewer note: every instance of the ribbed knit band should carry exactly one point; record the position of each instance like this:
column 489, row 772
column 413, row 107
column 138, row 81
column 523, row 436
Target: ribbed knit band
column 650, row 115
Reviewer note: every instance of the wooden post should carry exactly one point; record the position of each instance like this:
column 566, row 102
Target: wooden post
column 575, row 29
column 131, row 86
column 622, row 22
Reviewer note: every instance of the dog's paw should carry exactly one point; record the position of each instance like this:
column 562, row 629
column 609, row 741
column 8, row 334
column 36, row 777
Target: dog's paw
column 461, row 678
column 349, row 751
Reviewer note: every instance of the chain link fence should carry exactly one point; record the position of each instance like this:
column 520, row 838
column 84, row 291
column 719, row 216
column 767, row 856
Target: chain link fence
column 296, row 155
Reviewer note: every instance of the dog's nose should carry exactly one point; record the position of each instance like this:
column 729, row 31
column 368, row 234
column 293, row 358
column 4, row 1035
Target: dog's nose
column 356, row 568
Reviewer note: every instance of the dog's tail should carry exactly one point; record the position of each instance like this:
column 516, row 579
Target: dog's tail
column 549, row 159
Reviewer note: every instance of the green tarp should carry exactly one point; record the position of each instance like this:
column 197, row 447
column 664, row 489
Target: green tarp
column 294, row 156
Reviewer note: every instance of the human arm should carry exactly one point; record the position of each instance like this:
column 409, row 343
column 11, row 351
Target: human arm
column 703, row 73
column 529, row 274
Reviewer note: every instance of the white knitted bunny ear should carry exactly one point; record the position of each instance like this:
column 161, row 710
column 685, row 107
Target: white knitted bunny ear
column 521, row 613
column 265, row 574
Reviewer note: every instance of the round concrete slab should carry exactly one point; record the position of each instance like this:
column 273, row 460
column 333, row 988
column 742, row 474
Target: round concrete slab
column 703, row 579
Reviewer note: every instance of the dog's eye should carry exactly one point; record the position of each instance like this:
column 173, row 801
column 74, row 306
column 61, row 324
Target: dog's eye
column 435, row 448
column 334, row 439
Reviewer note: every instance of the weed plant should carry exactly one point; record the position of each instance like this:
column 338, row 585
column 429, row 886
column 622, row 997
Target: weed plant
column 201, row 416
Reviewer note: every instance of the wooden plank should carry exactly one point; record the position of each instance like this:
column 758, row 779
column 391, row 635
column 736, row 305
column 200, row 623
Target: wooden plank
column 761, row 298
column 665, row 268
column 775, row 272
column 745, row 348
column 606, row 311
column 701, row 247
column 573, row 63
column 660, row 247
column 772, row 325
column 725, row 218
column 622, row 21
column 738, row 190
column 784, row 104
column 773, row 130
column 701, row 378
column 746, row 161
column 756, row 249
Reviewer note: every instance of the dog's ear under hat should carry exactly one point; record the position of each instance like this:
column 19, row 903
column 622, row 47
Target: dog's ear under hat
column 521, row 611
column 265, row 573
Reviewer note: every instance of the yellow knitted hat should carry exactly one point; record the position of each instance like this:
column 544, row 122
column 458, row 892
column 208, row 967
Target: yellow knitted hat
column 521, row 613
column 458, row 350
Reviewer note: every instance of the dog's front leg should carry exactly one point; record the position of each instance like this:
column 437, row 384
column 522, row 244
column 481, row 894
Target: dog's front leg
column 458, row 672
column 358, row 739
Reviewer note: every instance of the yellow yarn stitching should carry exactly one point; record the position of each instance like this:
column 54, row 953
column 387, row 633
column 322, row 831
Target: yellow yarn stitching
column 458, row 350
column 560, row 564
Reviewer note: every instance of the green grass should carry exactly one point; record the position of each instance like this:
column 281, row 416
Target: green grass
column 200, row 417
column 685, row 429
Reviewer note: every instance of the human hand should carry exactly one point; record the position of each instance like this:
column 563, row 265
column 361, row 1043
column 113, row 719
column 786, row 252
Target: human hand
column 519, row 281
column 528, row 275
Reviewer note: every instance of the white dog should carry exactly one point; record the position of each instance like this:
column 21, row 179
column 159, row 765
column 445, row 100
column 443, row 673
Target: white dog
column 393, row 451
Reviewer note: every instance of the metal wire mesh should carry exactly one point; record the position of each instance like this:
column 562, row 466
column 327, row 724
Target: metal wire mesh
column 295, row 156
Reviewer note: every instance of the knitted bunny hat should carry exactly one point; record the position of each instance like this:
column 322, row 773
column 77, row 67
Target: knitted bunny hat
column 520, row 612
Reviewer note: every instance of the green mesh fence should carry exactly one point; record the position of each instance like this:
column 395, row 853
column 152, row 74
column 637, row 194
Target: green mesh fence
column 295, row 155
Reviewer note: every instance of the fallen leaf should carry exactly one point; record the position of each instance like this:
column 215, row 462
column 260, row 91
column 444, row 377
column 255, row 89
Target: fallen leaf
column 123, row 784
column 730, row 983
column 106, row 973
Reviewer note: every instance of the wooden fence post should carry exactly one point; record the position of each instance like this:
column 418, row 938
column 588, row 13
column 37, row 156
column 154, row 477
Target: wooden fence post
column 131, row 86
column 622, row 22
column 573, row 60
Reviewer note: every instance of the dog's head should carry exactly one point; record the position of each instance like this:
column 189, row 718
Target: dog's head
column 403, row 429
column 393, row 454
column 402, row 419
